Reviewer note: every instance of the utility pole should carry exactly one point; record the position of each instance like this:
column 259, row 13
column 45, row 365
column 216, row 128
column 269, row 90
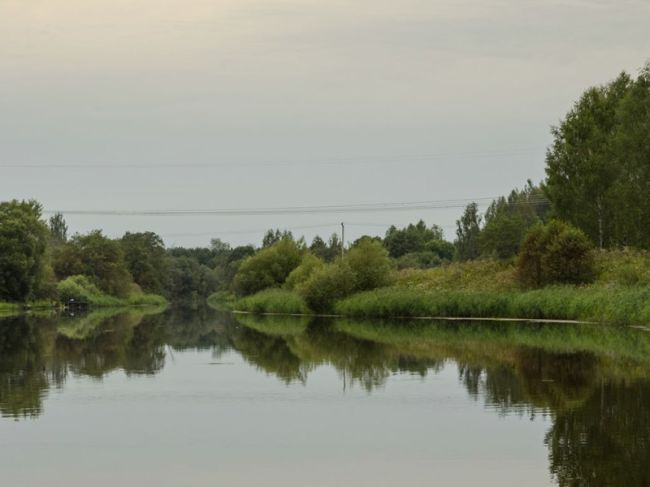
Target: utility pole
column 342, row 239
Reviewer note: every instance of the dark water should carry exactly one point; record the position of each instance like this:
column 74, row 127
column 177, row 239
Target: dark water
column 202, row 398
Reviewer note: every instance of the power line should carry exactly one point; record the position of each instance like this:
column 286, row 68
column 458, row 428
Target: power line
column 293, row 210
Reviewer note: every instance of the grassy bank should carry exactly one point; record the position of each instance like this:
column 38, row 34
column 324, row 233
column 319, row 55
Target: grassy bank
column 620, row 294
column 625, row 306
column 601, row 304
column 273, row 301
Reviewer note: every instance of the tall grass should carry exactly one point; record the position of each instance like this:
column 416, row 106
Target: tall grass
column 273, row 301
column 625, row 306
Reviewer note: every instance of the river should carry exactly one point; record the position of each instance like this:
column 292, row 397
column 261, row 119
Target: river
column 194, row 398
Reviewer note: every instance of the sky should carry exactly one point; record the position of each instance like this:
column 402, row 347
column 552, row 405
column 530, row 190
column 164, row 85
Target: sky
column 159, row 105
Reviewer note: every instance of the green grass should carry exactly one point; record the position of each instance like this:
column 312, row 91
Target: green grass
column 624, row 306
column 278, row 301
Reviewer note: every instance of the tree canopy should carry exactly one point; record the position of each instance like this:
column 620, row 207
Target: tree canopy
column 22, row 249
column 597, row 167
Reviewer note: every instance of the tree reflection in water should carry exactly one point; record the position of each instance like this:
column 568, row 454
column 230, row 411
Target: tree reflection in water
column 593, row 382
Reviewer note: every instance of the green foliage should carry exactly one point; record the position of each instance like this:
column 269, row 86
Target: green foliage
column 370, row 264
column 146, row 260
column 189, row 281
column 468, row 230
column 309, row 264
column 328, row 284
column 98, row 257
column 275, row 300
column 270, row 267
column 445, row 250
column 329, row 251
column 58, row 229
column 413, row 238
column 624, row 306
column 271, row 237
column 23, row 239
column 508, row 219
column 478, row 275
column 597, row 168
column 555, row 253
column 82, row 289
column 419, row 260
column 625, row 267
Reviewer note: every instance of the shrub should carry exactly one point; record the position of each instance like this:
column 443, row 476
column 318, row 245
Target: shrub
column 81, row 288
column 270, row 267
column 555, row 253
column 371, row 265
column 309, row 264
column 327, row 285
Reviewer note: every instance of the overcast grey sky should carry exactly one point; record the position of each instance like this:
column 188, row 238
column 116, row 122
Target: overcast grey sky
column 292, row 103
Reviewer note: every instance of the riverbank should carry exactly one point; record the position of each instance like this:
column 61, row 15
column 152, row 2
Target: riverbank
column 489, row 289
column 80, row 290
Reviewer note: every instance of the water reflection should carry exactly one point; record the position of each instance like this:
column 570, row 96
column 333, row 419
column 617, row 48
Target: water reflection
column 593, row 382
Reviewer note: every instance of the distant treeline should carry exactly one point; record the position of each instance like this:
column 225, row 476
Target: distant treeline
column 598, row 179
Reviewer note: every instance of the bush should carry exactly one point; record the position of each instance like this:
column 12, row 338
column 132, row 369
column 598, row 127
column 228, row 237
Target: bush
column 270, row 267
column 309, row 264
column 556, row 253
column 327, row 285
column 371, row 265
column 81, row 288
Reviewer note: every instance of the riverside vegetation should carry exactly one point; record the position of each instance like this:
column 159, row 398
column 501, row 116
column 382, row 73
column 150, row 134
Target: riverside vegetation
column 574, row 247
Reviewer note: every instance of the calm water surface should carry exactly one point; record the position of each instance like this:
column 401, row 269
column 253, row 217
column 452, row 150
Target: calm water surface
column 204, row 398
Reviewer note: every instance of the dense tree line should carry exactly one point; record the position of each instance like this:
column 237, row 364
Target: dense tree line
column 598, row 167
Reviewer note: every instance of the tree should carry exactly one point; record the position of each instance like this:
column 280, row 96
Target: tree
column 309, row 264
column 98, row 257
column 189, row 280
column 23, row 238
column 273, row 236
column 370, row 263
column 413, row 238
column 597, row 167
column 268, row 268
column 508, row 219
column 555, row 253
column 146, row 260
column 327, row 251
column 328, row 284
column 467, row 233
column 58, row 229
